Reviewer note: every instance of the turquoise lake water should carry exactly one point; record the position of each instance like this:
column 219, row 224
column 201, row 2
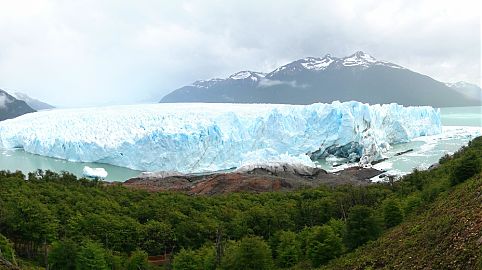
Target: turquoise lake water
column 460, row 125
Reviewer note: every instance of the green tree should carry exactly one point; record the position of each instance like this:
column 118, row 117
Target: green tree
column 6, row 250
column 31, row 220
column 158, row 237
column 91, row 256
column 466, row 167
column 115, row 261
column 63, row 255
column 138, row 261
column 338, row 226
column 323, row 245
column 392, row 214
column 207, row 257
column 186, row 259
column 412, row 202
column 288, row 251
column 362, row 226
column 250, row 253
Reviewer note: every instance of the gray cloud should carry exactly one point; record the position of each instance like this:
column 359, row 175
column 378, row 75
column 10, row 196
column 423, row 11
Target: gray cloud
column 81, row 53
column 263, row 83
column 3, row 100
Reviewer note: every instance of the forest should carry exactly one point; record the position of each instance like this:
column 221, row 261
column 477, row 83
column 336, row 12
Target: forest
column 56, row 221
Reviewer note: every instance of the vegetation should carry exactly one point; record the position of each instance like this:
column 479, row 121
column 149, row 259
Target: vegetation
column 73, row 223
column 445, row 234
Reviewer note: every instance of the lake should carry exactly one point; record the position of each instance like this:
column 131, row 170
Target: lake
column 460, row 125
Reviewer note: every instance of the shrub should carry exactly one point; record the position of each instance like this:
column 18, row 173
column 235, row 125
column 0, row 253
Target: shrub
column 251, row 252
column 323, row 245
column 362, row 226
column 63, row 255
column 6, row 250
column 91, row 256
column 392, row 214
column 466, row 167
column 138, row 261
column 288, row 250
column 186, row 259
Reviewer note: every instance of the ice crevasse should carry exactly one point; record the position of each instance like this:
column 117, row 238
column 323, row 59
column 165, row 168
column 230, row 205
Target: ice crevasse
column 201, row 137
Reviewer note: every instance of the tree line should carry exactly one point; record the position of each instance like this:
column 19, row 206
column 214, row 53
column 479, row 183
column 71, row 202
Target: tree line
column 68, row 223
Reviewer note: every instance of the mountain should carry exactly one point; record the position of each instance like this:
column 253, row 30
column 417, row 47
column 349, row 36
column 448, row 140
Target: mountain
column 11, row 107
column 358, row 77
column 468, row 89
column 32, row 102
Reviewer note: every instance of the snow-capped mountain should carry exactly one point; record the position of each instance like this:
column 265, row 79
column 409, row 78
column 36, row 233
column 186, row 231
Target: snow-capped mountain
column 32, row 102
column 10, row 107
column 359, row 76
column 470, row 90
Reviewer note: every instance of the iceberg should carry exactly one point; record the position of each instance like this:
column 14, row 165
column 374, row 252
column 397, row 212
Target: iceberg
column 202, row 137
column 100, row 173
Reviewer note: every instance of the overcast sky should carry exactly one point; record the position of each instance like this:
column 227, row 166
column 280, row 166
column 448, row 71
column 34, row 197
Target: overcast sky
column 94, row 52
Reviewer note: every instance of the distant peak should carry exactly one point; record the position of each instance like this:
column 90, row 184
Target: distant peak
column 461, row 84
column 359, row 53
column 362, row 55
column 359, row 58
column 241, row 75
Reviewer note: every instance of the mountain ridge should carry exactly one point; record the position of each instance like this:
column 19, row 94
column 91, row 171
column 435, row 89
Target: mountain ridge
column 10, row 107
column 32, row 102
column 359, row 76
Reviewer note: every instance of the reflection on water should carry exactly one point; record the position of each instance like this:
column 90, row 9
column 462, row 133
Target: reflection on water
column 426, row 150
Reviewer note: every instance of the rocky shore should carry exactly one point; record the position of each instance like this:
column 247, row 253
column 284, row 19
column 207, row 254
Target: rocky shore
column 281, row 177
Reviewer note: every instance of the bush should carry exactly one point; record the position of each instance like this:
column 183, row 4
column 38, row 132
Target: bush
column 207, row 257
column 91, row 256
column 466, row 167
column 323, row 245
column 251, row 252
column 412, row 202
column 362, row 226
column 6, row 250
column 63, row 255
column 288, row 250
column 392, row 214
column 138, row 261
column 186, row 259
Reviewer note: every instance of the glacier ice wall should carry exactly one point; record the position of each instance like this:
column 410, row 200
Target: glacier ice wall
column 199, row 137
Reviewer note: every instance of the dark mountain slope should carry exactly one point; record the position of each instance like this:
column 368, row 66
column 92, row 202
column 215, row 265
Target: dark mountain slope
column 32, row 102
column 356, row 77
column 11, row 107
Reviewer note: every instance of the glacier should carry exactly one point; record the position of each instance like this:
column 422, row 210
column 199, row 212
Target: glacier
column 202, row 137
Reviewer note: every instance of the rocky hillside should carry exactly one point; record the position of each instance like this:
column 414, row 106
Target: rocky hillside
column 255, row 180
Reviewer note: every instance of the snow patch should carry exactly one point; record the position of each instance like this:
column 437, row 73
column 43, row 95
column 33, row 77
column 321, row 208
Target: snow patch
column 312, row 63
column 247, row 74
column 359, row 59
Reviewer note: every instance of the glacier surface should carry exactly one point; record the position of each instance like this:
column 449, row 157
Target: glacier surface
column 201, row 137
